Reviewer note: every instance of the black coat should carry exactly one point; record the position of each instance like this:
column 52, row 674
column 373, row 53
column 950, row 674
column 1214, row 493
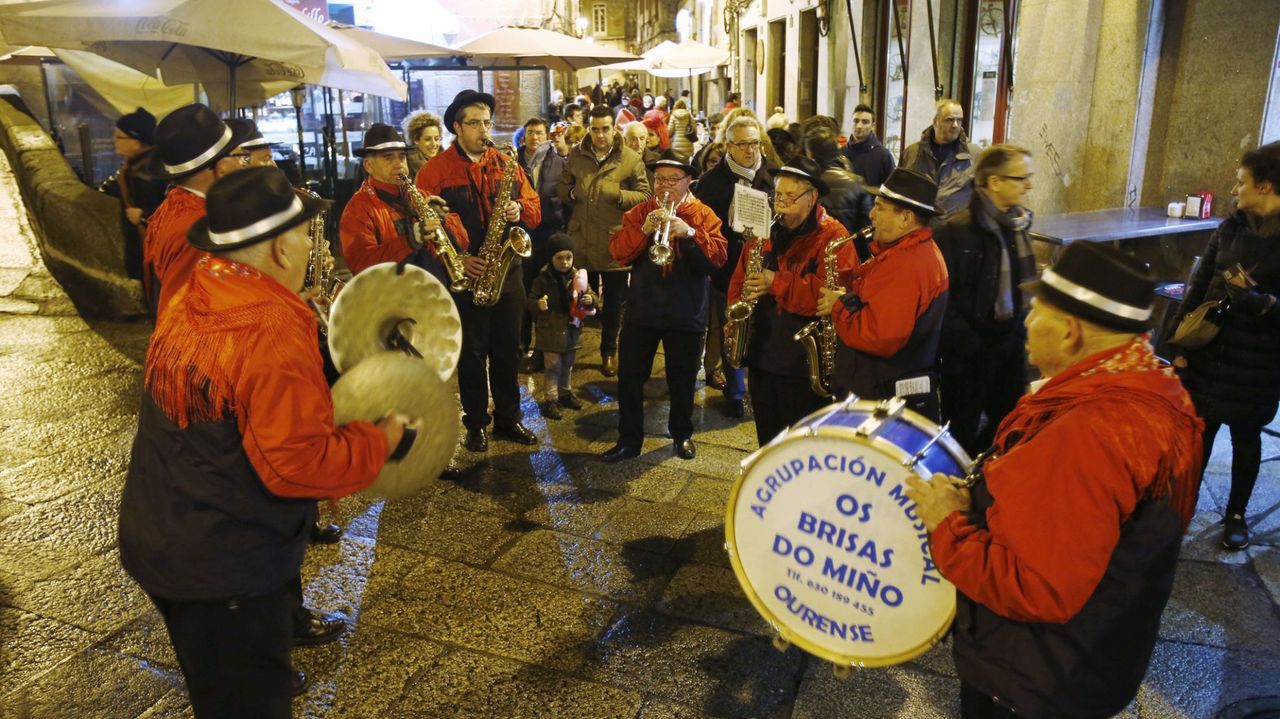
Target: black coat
column 870, row 159
column 715, row 189
column 846, row 201
column 1235, row 379
column 553, row 330
column 972, row 252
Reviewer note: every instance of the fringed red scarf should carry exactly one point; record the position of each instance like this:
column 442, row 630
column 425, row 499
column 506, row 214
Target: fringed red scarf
column 204, row 340
column 1135, row 375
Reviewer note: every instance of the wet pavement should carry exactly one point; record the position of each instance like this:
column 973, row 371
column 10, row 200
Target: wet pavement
column 539, row 583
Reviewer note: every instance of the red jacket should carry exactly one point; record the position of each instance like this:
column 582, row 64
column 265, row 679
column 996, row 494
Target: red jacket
column 469, row 188
column 1067, row 559
column 373, row 231
column 167, row 257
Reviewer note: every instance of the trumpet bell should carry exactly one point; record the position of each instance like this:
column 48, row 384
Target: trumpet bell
column 380, row 306
column 392, row 381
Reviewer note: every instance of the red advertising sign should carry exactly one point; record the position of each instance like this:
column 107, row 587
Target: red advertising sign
column 317, row 10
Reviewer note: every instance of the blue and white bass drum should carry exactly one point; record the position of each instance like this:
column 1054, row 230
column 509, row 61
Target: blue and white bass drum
column 826, row 544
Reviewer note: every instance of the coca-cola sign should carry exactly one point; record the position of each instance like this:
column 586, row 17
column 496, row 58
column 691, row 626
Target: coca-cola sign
column 162, row 26
column 317, row 10
column 281, row 70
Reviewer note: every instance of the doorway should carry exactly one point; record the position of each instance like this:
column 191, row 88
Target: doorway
column 807, row 95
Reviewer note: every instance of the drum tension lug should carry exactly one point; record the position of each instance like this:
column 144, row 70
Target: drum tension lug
column 884, row 411
column 919, row 455
column 842, row 671
column 781, row 644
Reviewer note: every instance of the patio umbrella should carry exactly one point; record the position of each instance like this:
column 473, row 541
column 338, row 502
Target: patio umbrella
column 543, row 48
column 255, row 41
column 391, row 47
column 692, row 57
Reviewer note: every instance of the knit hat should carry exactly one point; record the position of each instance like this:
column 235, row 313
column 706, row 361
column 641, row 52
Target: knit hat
column 559, row 242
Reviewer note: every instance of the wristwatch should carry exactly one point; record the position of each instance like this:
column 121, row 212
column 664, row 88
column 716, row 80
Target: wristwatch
column 691, row 233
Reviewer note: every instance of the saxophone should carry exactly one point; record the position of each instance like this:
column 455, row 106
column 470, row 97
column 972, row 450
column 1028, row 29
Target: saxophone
column 737, row 317
column 448, row 254
column 497, row 252
column 818, row 338
column 320, row 276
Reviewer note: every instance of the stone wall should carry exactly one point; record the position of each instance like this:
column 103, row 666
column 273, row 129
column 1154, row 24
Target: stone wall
column 78, row 229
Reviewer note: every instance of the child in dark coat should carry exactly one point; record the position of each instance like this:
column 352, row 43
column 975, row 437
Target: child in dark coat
column 559, row 299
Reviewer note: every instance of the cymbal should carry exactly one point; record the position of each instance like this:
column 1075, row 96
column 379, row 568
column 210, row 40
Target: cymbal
column 380, row 305
column 392, row 381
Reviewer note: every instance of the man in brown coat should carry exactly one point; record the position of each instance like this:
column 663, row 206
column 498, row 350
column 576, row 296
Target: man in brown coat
column 602, row 180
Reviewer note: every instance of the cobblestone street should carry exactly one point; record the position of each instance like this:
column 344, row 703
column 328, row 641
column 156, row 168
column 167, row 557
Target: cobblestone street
column 539, row 583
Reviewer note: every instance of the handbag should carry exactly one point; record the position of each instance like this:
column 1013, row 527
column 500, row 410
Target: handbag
column 1200, row 326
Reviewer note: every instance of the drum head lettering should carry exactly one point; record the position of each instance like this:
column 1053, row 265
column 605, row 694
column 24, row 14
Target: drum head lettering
column 831, row 552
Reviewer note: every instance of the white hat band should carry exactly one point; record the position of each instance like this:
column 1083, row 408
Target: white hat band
column 256, row 142
column 390, row 145
column 261, row 227
column 1093, row 299
column 202, row 157
column 903, row 198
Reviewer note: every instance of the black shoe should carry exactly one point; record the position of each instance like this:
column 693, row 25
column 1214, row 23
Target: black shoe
column 551, row 410
column 734, row 408
column 684, row 448
column 1235, row 533
column 620, row 452
column 477, row 440
column 568, row 400
column 609, row 365
column 515, row 433
column 327, row 534
column 301, row 683
column 531, row 362
column 319, row 630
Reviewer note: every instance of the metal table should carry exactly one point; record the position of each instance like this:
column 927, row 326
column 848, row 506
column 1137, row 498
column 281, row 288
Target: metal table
column 1168, row 244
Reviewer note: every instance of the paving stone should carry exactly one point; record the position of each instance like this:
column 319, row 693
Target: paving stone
column 117, row 689
column 81, row 524
column 1221, row 606
column 663, row 709
column 173, row 705
column 74, row 469
column 486, row 611
column 884, row 693
column 468, row 685
column 96, row 595
column 146, row 640
column 1266, row 561
column 711, row 595
column 443, row 530
column 34, row 644
column 658, row 525
column 576, row 511
column 712, row 671
column 363, row 674
column 1204, row 540
column 587, row 565
column 1187, row 681
column 704, row 540
column 705, row 494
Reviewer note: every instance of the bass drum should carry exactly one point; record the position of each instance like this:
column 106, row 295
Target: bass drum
column 826, row 544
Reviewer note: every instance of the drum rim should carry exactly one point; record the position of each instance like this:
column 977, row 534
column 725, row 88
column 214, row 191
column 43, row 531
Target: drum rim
column 782, row 630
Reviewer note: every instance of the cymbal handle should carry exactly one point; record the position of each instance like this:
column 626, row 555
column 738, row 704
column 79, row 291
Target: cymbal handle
column 407, row 439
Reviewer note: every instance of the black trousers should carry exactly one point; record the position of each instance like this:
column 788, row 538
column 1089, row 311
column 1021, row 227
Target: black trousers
column 990, row 383
column 490, row 359
column 612, row 289
column 976, row 705
column 778, row 401
column 234, row 654
column 682, row 351
column 1246, row 457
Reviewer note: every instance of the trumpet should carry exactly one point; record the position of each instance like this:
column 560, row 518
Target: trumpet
column 660, row 252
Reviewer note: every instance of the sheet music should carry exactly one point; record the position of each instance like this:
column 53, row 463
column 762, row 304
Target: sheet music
column 750, row 209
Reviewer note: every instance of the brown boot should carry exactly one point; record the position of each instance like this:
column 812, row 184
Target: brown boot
column 610, row 365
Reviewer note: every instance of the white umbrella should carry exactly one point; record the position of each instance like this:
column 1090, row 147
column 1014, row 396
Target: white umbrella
column 391, row 47
column 652, row 61
column 535, row 46
column 689, row 55
column 258, row 41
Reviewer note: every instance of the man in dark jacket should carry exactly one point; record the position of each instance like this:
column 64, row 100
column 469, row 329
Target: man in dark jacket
column 743, row 164
column 846, row 201
column 667, row 302
column 988, row 256
column 945, row 154
column 1064, row 549
column 138, row 190
column 868, row 157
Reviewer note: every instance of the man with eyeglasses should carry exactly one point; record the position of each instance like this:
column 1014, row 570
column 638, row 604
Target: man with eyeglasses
column 194, row 147
column 945, row 154
column 602, row 179
column 667, row 302
column 989, row 256
column 786, row 294
column 888, row 312
column 743, row 164
column 468, row 176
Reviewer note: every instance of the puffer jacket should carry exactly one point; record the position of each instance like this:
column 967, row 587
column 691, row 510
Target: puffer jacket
column 679, row 127
column 1235, row 379
column 954, row 177
column 599, row 192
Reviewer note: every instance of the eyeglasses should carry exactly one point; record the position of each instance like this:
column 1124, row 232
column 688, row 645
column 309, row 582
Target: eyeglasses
column 746, row 145
column 241, row 157
column 669, row 179
column 473, row 124
column 788, row 199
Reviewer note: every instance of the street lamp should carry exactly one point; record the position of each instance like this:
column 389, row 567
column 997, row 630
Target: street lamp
column 581, row 24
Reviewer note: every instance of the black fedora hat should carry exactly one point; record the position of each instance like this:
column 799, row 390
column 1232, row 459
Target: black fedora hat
column 191, row 139
column 909, row 188
column 253, row 138
column 464, row 99
column 249, row 206
column 671, row 158
column 381, row 138
column 140, row 125
column 1100, row 284
column 803, row 168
